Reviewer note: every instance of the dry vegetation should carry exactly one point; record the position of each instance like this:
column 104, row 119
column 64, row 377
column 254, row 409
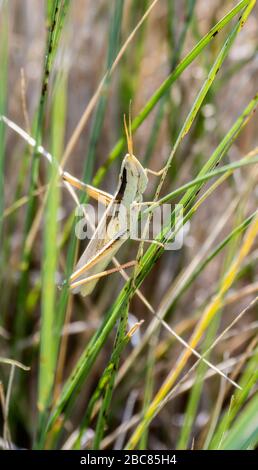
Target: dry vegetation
column 139, row 392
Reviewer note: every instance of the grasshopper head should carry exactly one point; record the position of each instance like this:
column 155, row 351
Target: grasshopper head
column 133, row 180
column 133, row 177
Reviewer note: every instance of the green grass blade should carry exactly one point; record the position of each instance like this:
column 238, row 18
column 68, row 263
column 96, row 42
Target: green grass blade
column 31, row 206
column 247, row 382
column 47, row 360
column 244, row 432
column 120, row 342
column 166, row 85
column 3, row 87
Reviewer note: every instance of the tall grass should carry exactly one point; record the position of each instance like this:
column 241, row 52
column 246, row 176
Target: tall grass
column 88, row 356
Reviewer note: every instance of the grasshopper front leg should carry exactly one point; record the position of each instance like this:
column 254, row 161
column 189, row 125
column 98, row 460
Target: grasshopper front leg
column 156, row 173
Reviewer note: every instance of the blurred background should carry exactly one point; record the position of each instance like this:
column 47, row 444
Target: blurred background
column 87, row 46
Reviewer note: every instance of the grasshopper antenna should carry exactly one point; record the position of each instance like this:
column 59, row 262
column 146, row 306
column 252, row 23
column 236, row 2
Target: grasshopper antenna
column 128, row 131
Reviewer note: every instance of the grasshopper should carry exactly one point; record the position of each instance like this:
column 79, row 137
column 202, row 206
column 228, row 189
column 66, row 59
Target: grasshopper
column 133, row 180
column 109, row 235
